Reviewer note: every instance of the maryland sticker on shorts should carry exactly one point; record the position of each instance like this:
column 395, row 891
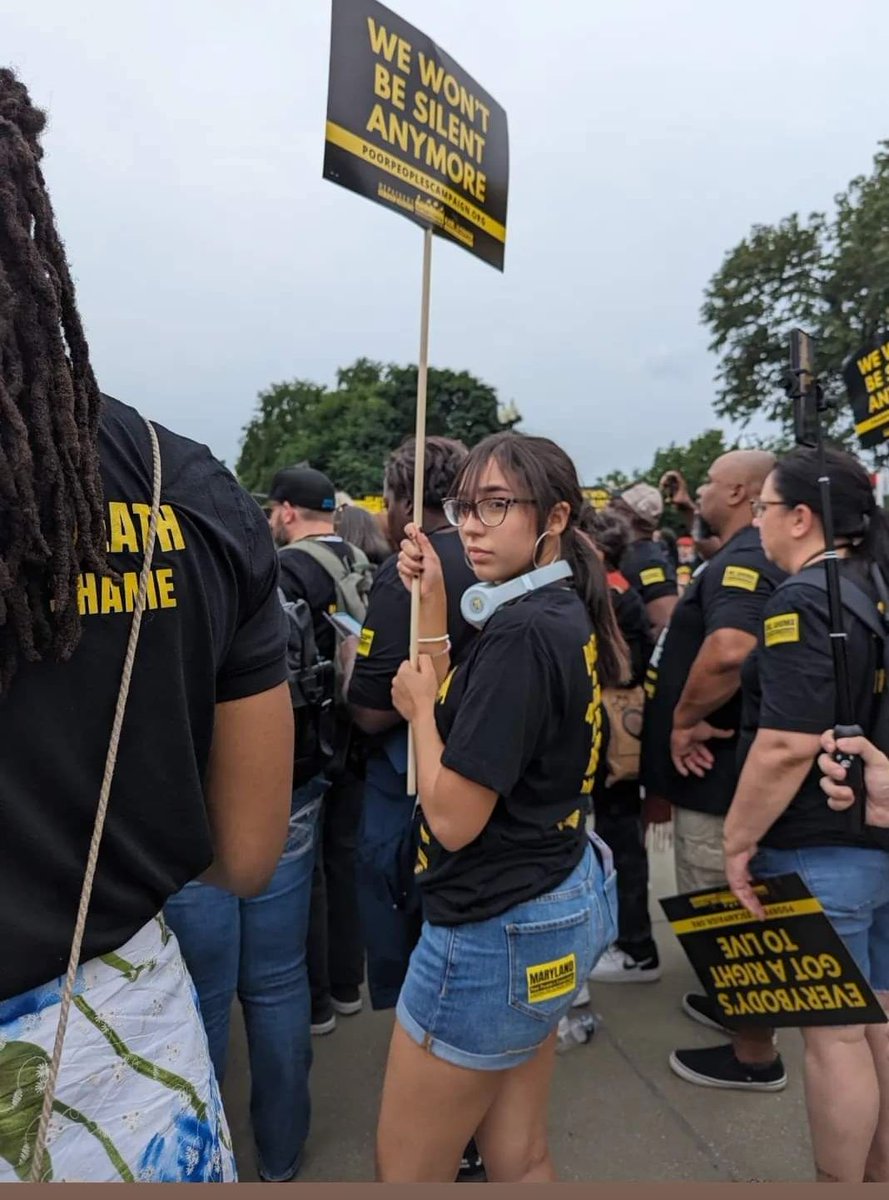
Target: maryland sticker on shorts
column 548, row 980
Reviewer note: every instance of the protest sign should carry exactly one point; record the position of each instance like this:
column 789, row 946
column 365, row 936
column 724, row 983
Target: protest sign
column 409, row 128
column 790, row 970
column 599, row 497
column 866, row 376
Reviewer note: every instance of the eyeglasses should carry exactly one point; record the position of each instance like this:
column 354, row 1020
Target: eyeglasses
column 491, row 512
column 759, row 506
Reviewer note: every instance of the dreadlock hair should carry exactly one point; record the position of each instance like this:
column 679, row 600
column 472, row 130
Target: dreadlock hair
column 51, row 519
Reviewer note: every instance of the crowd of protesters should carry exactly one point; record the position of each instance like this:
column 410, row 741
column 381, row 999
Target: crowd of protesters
column 217, row 794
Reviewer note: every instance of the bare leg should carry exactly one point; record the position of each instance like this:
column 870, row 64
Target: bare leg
column 512, row 1137
column 756, row 1047
column 877, row 1169
column 843, row 1101
column 429, row 1111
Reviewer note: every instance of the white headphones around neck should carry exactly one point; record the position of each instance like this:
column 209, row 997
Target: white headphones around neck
column 482, row 600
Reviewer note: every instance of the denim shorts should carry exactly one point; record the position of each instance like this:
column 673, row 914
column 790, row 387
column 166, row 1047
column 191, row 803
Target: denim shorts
column 852, row 884
column 485, row 995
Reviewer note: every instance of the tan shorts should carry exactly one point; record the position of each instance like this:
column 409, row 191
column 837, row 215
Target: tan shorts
column 697, row 844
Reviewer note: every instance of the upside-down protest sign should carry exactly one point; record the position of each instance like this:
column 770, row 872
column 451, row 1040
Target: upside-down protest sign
column 791, row 969
column 409, row 128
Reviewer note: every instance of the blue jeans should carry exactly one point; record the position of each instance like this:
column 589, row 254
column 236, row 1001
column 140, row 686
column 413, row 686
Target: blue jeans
column 852, row 883
column 388, row 898
column 256, row 949
column 487, row 994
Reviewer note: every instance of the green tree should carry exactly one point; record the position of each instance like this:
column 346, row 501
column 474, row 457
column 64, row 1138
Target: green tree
column 349, row 430
column 692, row 460
column 828, row 274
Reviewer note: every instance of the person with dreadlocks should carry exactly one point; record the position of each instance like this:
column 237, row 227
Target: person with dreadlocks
column 179, row 725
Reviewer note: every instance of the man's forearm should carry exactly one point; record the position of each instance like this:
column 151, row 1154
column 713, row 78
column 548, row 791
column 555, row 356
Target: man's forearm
column 710, row 684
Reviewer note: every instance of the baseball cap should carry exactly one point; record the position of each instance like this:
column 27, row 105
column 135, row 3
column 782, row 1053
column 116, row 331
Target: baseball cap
column 303, row 487
column 645, row 501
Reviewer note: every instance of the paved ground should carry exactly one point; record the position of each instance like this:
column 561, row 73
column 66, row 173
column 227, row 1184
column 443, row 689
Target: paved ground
column 618, row 1112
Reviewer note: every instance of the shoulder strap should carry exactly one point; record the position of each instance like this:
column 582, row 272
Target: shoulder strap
column 855, row 599
column 328, row 560
column 101, row 811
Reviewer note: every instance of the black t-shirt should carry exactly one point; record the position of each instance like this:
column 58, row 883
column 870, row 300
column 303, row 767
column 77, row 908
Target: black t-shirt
column 728, row 593
column 303, row 578
column 385, row 637
column 647, row 568
column 520, row 715
column 633, row 622
column 789, row 685
column 213, row 631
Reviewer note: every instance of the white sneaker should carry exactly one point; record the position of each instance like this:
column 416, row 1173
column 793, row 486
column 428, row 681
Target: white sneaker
column 582, row 998
column 615, row 966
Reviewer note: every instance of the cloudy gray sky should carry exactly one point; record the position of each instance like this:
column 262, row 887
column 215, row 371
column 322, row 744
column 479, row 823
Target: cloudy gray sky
column 646, row 136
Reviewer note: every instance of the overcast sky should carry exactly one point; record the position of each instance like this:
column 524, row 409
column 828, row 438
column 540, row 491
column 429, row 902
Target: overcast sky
column 646, row 137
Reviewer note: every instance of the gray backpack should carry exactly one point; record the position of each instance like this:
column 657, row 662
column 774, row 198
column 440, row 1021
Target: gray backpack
column 352, row 575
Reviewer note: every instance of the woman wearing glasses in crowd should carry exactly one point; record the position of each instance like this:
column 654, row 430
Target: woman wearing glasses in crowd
column 779, row 821
column 518, row 904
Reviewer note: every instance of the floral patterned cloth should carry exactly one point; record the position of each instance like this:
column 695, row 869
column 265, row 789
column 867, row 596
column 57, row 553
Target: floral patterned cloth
column 137, row 1099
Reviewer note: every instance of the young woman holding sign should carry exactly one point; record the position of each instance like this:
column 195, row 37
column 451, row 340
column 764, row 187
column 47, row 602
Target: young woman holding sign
column 518, row 904
column 779, row 821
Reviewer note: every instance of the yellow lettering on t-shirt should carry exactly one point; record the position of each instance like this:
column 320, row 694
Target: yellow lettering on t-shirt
column 740, row 577
column 169, row 532
column 445, row 687
column 122, row 535
column 365, row 641
column 112, row 600
column 88, row 594
column 165, row 587
column 781, row 629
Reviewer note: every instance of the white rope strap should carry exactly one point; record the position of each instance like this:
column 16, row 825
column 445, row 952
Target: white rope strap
column 101, row 811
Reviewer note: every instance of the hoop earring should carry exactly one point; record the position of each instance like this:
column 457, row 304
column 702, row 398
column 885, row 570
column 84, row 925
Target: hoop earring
column 546, row 533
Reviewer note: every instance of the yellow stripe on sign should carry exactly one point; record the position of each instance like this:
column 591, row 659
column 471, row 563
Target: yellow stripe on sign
column 777, row 911
column 875, row 422
column 386, row 161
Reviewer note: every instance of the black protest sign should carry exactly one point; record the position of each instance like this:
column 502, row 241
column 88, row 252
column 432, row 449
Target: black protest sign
column 790, row 970
column 407, row 127
column 866, row 375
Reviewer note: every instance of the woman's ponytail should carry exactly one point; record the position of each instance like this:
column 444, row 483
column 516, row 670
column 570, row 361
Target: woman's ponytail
column 592, row 587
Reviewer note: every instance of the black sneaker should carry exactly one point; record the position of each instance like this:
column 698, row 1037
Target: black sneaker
column 323, row 1019
column 472, row 1169
column 717, row 1067
column 346, row 1001
column 705, row 1011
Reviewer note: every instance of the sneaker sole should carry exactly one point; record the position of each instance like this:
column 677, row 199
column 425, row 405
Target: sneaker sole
column 324, row 1027
column 347, row 1008
column 630, row 977
column 702, row 1019
column 684, row 1072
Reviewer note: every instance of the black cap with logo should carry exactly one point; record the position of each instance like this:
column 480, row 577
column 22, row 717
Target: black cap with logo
column 303, row 487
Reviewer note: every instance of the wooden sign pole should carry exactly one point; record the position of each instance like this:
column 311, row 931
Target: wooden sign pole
column 419, row 477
